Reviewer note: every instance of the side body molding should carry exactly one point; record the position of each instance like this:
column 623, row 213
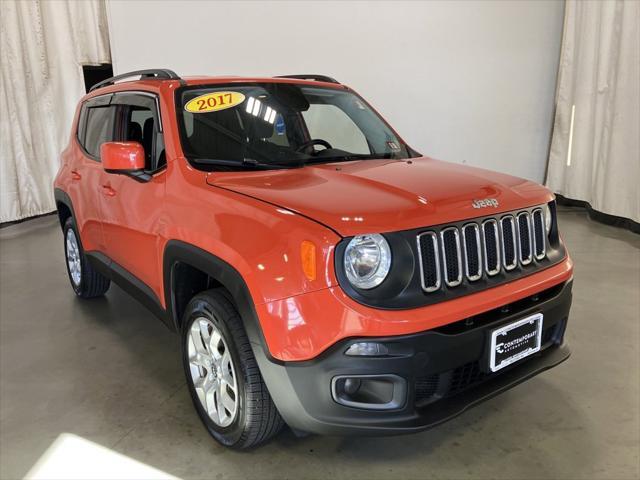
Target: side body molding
column 130, row 284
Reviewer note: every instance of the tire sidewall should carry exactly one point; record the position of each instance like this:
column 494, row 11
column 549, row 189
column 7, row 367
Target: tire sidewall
column 232, row 434
column 71, row 225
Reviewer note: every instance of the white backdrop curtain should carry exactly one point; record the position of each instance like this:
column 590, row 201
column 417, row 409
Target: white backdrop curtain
column 596, row 156
column 43, row 47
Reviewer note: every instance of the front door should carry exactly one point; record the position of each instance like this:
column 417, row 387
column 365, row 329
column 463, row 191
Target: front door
column 96, row 126
column 132, row 209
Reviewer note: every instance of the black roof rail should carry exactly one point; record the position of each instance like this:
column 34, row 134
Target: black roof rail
column 152, row 73
column 311, row 76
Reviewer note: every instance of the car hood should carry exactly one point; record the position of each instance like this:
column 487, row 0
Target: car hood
column 369, row 196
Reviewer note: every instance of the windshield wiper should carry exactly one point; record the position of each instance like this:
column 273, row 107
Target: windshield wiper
column 351, row 157
column 254, row 162
column 245, row 163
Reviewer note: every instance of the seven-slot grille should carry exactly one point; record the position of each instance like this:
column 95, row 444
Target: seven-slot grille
column 480, row 248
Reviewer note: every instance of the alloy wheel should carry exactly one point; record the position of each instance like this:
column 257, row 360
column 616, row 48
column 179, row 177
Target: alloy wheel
column 212, row 371
column 73, row 257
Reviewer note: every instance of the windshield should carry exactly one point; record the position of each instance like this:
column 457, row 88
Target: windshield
column 280, row 125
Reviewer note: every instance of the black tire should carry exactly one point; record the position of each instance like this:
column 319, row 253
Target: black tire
column 92, row 283
column 257, row 419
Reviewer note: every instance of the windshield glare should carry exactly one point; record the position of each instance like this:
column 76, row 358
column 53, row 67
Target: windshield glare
column 280, row 125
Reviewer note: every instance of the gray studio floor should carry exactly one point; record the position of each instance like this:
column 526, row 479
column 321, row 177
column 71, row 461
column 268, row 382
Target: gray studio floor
column 107, row 371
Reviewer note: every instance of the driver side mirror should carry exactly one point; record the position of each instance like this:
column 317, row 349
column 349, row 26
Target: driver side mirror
column 125, row 158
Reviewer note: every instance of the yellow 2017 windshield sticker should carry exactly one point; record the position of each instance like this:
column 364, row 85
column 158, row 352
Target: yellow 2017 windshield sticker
column 213, row 102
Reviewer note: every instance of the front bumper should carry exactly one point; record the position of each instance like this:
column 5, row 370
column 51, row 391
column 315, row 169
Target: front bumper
column 443, row 372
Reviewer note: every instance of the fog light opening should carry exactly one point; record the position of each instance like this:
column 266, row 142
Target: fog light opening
column 376, row 392
column 352, row 385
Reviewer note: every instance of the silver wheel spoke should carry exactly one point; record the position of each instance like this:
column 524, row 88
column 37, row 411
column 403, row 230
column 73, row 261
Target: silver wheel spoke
column 220, row 407
column 214, row 343
column 228, row 401
column 204, row 332
column 199, row 360
column 199, row 386
column 210, row 400
column 200, row 383
column 229, row 380
column 198, row 340
column 225, row 362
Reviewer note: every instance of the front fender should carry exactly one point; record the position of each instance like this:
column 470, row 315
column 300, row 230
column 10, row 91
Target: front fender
column 262, row 242
column 222, row 272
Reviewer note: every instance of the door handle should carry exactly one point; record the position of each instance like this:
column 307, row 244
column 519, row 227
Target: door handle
column 108, row 191
column 75, row 175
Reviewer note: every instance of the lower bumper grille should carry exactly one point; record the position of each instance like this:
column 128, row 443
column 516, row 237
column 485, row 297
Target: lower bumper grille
column 434, row 387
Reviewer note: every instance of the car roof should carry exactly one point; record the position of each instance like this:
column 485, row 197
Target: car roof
column 156, row 77
column 210, row 80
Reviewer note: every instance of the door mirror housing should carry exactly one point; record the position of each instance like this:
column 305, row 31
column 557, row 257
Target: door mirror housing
column 125, row 158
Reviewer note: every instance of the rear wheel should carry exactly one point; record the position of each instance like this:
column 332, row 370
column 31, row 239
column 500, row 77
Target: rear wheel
column 85, row 280
column 224, row 381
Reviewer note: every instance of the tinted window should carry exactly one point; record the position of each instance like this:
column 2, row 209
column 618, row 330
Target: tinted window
column 138, row 118
column 99, row 129
column 82, row 123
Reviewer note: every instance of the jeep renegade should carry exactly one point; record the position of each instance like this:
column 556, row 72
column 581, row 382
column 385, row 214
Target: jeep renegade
column 319, row 271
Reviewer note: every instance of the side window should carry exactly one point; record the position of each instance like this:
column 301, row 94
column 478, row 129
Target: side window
column 330, row 123
column 82, row 123
column 136, row 119
column 138, row 123
column 98, row 129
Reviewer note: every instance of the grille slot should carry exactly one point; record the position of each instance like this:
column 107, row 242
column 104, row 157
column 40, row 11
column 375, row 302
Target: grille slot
column 491, row 247
column 451, row 256
column 430, row 261
column 524, row 237
column 509, row 255
column 427, row 386
column 472, row 255
column 537, row 221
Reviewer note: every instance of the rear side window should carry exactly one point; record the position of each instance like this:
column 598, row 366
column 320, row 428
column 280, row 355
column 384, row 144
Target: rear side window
column 98, row 129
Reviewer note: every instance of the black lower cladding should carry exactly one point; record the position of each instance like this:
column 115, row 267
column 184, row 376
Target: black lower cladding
column 445, row 371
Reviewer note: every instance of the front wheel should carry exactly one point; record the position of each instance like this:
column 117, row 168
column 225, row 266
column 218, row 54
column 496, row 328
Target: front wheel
column 85, row 280
column 224, row 381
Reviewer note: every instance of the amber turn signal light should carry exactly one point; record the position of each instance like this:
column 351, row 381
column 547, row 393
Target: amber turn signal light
column 308, row 256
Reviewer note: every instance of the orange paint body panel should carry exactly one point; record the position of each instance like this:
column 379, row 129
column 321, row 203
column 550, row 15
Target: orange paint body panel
column 256, row 221
column 385, row 195
column 292, row 332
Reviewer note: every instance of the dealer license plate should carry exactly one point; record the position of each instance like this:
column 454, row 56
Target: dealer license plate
column 515, row 341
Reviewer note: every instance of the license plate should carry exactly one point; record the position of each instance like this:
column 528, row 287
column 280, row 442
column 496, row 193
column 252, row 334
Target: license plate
column 515, row 341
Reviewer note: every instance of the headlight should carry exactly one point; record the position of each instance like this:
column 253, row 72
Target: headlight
column 548, row 220
column 367, row 260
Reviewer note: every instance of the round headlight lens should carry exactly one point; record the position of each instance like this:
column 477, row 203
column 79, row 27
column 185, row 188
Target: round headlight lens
column 367, row 260
column 547, row 218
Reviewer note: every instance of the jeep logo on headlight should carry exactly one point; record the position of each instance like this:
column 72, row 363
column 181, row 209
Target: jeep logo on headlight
column 486, row 202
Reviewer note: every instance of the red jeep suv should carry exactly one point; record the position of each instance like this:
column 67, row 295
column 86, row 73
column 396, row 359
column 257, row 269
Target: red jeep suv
column 320, row 272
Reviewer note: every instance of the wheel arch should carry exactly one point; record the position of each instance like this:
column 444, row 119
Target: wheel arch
column 63, row 205
column 181, row 258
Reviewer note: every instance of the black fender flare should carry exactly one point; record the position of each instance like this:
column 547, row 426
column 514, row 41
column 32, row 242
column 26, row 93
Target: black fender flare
column 61, row 196
column 274, row 374
column 222, row 272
